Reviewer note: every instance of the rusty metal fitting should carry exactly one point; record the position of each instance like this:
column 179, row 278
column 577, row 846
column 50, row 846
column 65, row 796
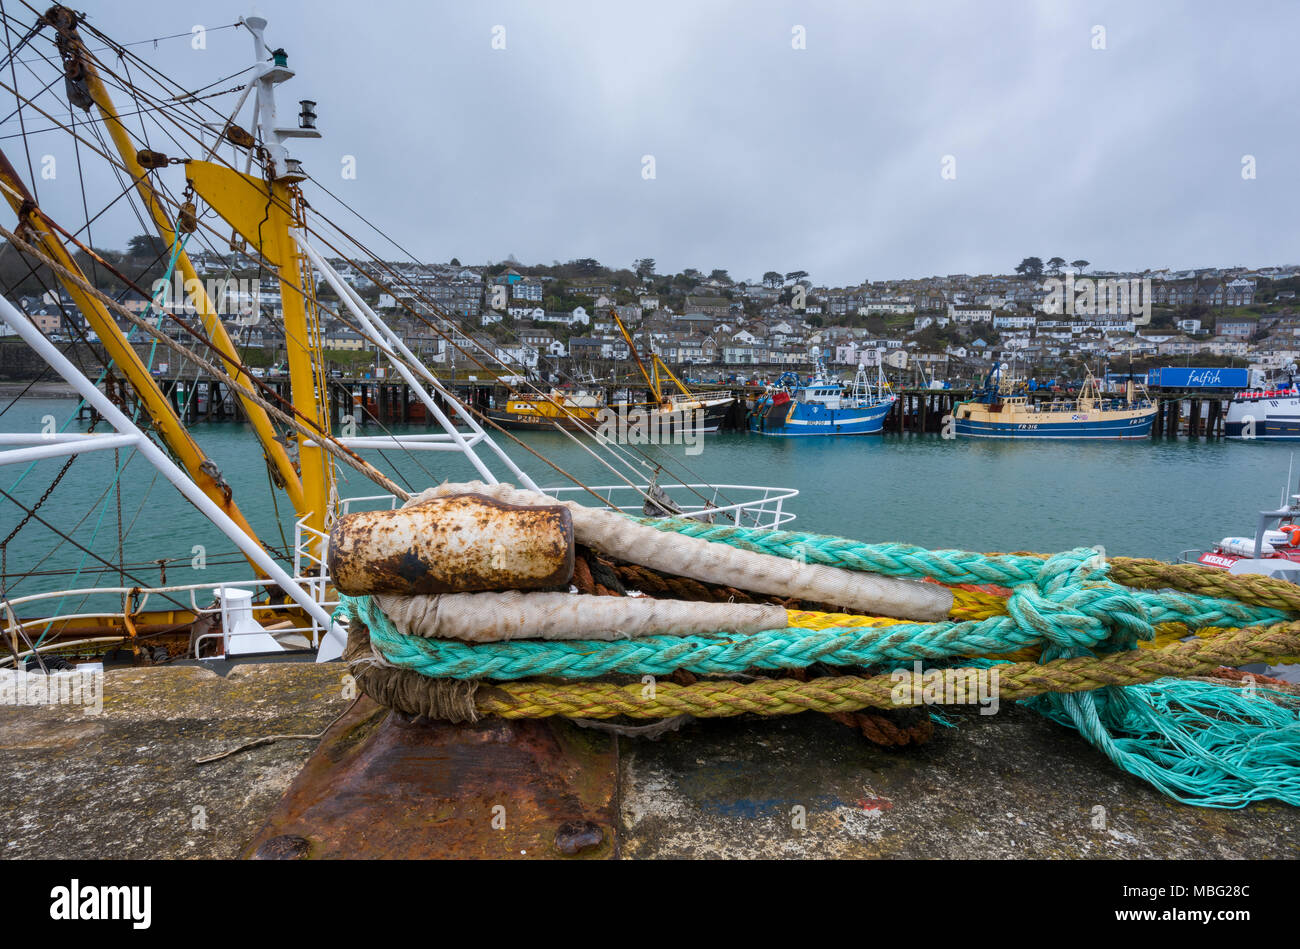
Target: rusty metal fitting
column 461, row 544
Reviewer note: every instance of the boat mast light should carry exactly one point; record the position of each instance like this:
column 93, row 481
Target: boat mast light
column 274, row 137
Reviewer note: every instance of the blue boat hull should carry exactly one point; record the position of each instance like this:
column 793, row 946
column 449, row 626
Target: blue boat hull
column 1104, row 428
column 1264, row 430
column 810, row 419
column 1263, row 419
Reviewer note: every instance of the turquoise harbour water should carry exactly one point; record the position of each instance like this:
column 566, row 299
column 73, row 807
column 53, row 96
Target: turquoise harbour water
column 1143, row 498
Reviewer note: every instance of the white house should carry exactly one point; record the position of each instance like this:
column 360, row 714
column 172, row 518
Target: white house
column 970, row 313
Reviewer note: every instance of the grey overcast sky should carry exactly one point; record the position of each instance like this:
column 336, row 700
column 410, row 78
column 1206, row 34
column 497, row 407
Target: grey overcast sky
column 827, row 158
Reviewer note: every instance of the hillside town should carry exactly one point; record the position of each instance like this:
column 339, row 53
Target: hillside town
column 560, row 319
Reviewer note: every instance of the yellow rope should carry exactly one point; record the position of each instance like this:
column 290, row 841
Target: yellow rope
column 721, row 698
column 974, row 605
column 967, row 606
column 809, row 619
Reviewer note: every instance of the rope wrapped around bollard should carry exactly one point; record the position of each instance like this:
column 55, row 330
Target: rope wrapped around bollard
column 1098, row 643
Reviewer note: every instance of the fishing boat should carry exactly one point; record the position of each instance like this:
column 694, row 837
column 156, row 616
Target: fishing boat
column 1273, row 549
column 821, row 406
column 1003, row 409
column 572, row 410
column 585, row 409
column 1268, row 413
column 235, row 186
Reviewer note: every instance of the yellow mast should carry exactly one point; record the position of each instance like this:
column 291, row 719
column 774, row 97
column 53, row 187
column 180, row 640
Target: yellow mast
column 652, row 382
column 262, row 213
column 656, row 363
column 668, row 372
column 72, row 49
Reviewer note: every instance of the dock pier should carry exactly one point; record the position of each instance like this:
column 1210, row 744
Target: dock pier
column 1187, row 413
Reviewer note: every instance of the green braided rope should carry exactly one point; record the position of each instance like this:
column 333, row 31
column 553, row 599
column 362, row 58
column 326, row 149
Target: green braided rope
column 1096, row 617
column 893, row 560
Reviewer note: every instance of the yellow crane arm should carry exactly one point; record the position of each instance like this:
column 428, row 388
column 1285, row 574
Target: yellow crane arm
column 124, row 356
column 651, row 382
column 668, row 372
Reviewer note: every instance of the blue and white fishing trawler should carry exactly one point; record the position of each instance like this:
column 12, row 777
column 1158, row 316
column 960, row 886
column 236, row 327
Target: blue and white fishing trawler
column 821, row 406
column 1002, row 409
column 1270, row 412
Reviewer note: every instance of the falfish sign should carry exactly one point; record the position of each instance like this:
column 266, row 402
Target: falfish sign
column 1194, row 377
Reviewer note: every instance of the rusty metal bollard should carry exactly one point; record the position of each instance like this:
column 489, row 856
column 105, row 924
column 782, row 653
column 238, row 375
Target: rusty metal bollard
column 459, row 544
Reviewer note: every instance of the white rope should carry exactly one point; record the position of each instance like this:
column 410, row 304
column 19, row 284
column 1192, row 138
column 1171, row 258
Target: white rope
column 619, row 537
column 494, row 617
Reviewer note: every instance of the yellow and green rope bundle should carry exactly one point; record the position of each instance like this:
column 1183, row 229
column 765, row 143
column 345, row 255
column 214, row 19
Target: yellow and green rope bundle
column 1108, row 648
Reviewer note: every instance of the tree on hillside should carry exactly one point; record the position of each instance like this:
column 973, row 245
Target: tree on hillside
column 455, row 262
column 795, row 276
column 644, row 266
column 1055, row 264
column 1031, row 267
column 145, row 245
column 1080, row 265
column 720, row 275
column 772, row 279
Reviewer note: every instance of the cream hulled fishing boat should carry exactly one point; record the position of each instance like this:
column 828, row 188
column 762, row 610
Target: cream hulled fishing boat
column 1004, row 408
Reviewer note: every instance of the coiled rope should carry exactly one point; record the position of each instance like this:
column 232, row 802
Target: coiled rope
column 1097, row 644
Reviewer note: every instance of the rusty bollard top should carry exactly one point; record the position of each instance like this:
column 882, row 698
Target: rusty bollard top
column 461, row 544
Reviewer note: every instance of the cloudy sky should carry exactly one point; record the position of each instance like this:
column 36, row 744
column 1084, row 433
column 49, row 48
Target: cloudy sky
column 829, row 158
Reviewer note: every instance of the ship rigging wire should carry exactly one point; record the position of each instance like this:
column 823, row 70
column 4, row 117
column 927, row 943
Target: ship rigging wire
column 175, row 112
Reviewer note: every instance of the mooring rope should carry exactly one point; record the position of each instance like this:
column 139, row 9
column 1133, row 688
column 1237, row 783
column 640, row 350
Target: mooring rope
column 1254, row 589
column 892, row 560
column 719, row 699
column 719, row 654
column 1069, row 606
column 1107, row 648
